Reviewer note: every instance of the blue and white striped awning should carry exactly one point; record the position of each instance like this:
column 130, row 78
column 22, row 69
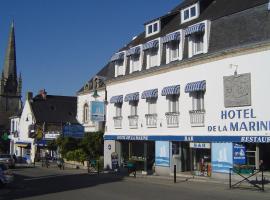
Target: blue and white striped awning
column 132, row 97
column 171, row 37
column 150, row 45
column 150, row 94
column 195, row 29
column 196, row 86
column 118, row 56
column 171, row 90
column 134, row 50
column 117, row 99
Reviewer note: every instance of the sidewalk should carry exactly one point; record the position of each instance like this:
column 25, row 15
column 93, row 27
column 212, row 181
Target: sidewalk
column 199, row 179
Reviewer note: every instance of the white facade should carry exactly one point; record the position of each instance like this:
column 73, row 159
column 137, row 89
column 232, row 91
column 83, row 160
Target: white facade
column 18, row 142
column 217, row 120
column 83, row 100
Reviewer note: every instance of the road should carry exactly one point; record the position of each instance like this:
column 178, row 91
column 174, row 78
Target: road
column 53, row 184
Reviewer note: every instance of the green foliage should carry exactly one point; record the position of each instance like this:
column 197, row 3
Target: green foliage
column 52, row 145
column 92, row 144
column 67, row 144
column 76, row 155
column 89, row 147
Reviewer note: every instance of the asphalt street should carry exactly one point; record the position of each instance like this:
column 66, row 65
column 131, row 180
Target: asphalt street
column 43, row 184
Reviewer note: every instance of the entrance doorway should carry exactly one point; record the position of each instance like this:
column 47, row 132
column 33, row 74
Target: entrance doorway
column 264, row 155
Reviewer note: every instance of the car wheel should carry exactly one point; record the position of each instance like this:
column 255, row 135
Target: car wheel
column 1, row 184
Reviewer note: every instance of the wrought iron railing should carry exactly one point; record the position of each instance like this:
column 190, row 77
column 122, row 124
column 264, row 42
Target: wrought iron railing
column 197, row 117
column 172, row 119
column 151, row 120
column 118, row 122
column 133, row 121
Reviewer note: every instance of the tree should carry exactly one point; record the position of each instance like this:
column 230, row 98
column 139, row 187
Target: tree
column 92, row 144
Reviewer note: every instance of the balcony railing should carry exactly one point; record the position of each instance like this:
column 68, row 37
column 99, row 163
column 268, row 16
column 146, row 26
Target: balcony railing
column 151, row 120
column 197, row 117
column 172, row 119
column 133, row 121
column 118, row 122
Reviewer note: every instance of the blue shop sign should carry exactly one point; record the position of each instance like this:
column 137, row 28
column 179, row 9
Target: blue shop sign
column 239, row 154
column 73, row 130
column 97, row 111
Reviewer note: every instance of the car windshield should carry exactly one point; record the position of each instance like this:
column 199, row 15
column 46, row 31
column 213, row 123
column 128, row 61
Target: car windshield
column 3, row 167
column 4, row 156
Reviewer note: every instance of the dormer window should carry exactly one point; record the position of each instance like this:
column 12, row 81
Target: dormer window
column 173, row 44
column 190, row 13
column 152, row 52
column 119, row 63
column 198, row 38
column 135, row 58
column 152, row 28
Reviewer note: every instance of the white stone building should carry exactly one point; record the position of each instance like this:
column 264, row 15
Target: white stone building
column 191, row 90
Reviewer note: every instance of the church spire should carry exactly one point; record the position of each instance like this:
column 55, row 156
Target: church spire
column 10, row 68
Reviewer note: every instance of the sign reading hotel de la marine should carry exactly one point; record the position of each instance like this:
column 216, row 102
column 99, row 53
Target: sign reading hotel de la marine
column 237, row 93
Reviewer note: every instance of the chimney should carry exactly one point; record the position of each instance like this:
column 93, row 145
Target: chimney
column 43, row 94
column 29, row 96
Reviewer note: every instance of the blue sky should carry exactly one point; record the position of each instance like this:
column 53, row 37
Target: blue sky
column 62, row 43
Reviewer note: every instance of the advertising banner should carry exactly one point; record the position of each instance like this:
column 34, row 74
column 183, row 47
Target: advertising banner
column 239, row 154
column 73, row 130
column 162, row 153
column 222, row 159
column 97, row 111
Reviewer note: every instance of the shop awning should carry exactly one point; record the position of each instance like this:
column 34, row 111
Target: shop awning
column 132, row 97
column 171, row 37
column 150, row 45
column 195, row 86
column 171, row 90
column 133, row 51
column 118, row 56
column 41, row 143
column 117, row 99
column 22, row 144
column 150, row 94
column 195, row 29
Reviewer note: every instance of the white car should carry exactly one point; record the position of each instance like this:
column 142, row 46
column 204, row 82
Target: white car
column 6, row 175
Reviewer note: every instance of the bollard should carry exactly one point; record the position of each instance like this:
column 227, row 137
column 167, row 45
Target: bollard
column 174, row 173
column 230, row 178
column 262, row 180
column 98, row 167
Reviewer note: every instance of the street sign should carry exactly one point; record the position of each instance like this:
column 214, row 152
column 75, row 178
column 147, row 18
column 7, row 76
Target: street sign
column 5, row 137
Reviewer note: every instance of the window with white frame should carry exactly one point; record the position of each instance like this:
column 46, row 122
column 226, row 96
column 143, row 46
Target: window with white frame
column 152, row 57
column 152, row 28
column 152, row 105
column 173, row 103
column 197, row 100
column 172, row 51
column 135, row 62
column 197, row 43
column 190, row 13
column 119, row 67
column 118, row 109
column 133, row 108
column 85, row 113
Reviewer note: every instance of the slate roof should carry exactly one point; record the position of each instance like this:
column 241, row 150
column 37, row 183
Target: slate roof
column 55, row 109
column 233, row 23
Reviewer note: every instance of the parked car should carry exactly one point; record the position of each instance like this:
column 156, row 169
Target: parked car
column 6, row 175
column 7, row 159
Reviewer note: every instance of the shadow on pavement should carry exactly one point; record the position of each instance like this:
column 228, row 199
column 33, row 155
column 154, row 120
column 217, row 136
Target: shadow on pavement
column 24, row 186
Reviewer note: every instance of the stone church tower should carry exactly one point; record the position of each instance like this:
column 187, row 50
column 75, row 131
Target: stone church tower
column 10, row 85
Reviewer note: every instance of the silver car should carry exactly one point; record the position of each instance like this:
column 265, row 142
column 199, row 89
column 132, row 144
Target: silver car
column 6, row 175
column 7, row 159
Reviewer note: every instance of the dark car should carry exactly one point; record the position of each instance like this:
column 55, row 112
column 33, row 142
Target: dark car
column 7, row 159
column 6, row 175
